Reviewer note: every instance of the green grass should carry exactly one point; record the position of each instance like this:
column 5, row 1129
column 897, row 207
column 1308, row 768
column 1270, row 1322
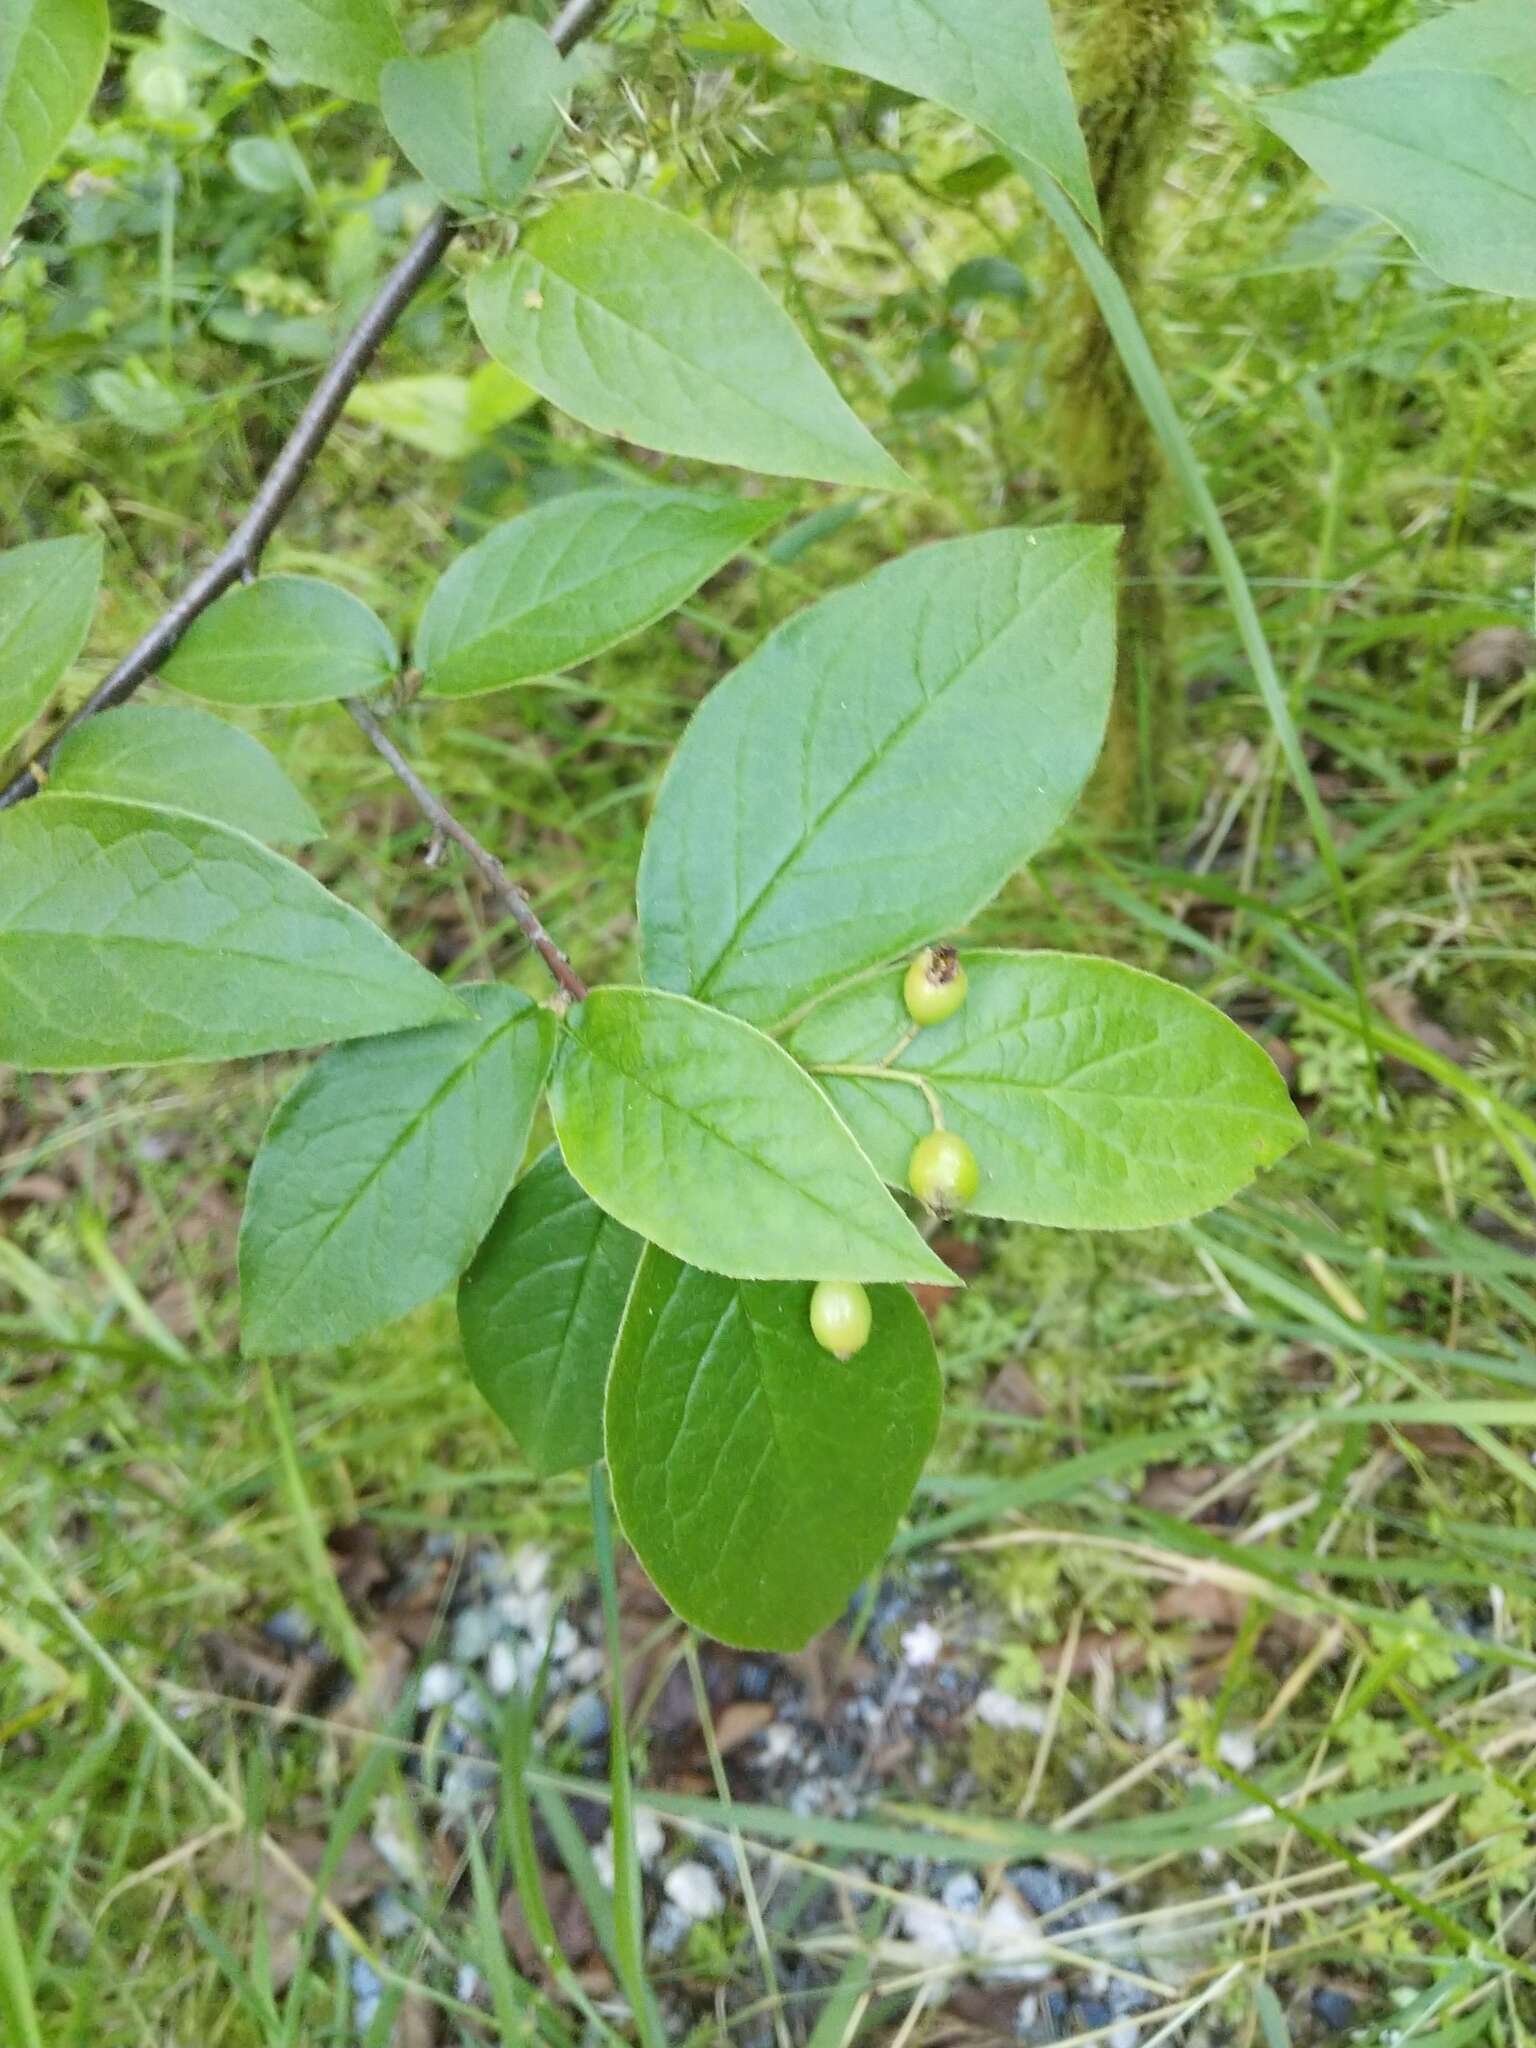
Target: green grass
column 1370, row 439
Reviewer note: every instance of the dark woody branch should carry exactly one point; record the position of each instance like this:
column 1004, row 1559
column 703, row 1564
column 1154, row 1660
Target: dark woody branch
column 240, row 557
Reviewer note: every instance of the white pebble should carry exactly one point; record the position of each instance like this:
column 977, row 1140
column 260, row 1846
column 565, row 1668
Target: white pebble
column 585, row 1666
column 473, row 1633
column 1008, row 1943
column 466, row 1785
column 564, row 1643
column 392, row 1917
column 530, row 1567
column 650, row 1840
column 922, row 1645
column 469, row 1711
column 669, row 1930
column 509, row 1666
column 937, row 1935
column 1000, row 1709
column 1237, row 1748
column 695, row 1891
column 440, row 1683
column 779, row 1744
column 531, row 1614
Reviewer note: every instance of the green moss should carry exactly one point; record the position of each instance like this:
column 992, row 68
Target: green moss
column 1134, row 65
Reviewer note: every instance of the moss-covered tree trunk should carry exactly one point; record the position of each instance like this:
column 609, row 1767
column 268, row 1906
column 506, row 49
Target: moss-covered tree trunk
column 1134, row 64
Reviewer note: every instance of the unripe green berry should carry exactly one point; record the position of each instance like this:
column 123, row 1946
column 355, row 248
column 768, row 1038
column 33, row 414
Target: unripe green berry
column 935, row 985
column 943, row 1173
column 841, row 1317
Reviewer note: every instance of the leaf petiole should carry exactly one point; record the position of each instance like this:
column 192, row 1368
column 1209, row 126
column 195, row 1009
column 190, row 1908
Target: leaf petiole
column 884, row 1072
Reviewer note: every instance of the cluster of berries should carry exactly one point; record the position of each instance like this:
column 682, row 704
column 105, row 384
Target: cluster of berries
column 942, row 1171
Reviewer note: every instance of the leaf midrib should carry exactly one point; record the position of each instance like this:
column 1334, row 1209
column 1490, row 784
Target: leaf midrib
column 797, row 1188
column 778, row 421
column 407, row 1132
column 899, row 734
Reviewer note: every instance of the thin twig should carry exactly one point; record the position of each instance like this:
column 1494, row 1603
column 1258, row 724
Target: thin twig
column 490, row 869
column 241, row 554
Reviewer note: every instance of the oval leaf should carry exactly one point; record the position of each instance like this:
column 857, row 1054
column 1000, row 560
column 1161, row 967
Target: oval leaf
column 189, row 760
column 1493, row 36
column 131, row 936
column 996, row 66
column 340, row 44
column 478, row 123
column 283, row 640
column 440, row 414
column 705, row 1137
column 47, row 597
column 384, row 1168
column 51, row 55
column 565, row 581
column 638, row 323
column 1448, row 157
column 759, row 1479
column 879, row 767
column 539, row 1313
column 1094, row 1096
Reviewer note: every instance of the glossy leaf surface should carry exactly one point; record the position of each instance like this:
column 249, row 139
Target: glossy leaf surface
column 47, row 597
column 1094, row 1096
column 51, row 56
column 570, row 578
column 640, row 324
column 995, row 65
column 283, row 640
column 478, row 123
column 539, row 1313
column 1448, row 157
column 171, row 754
column 340, row 44
column 871, row 776
column 131, row 936
column 705, row 1137
column 384, row 1168
column 759, row 1479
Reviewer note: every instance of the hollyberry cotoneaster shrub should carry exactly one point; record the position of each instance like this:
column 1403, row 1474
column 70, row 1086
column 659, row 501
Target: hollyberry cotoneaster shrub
column 704, row 1280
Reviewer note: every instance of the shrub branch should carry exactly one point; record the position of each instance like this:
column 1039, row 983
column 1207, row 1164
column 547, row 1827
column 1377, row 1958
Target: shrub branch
column 501, row 885
column 241, row 554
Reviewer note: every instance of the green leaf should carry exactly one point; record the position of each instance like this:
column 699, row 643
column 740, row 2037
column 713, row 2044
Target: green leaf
column 138, row 399
column 1448, row 157
column 638, row 323
column 706, row 1138
column 384, row 1168
column 1094, row 1096
column 1496, row 37
column 995, row 65
column 759, row 1479
column 47, row 597
column 478, row 123
column 340, row 44
column 131, row 936
column 572, row 577
column 51, row 56
column 188, row 760
column 441, row 414
column 539, row 1312
column 283, row 640
column 263, row 163
column 879, row 767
